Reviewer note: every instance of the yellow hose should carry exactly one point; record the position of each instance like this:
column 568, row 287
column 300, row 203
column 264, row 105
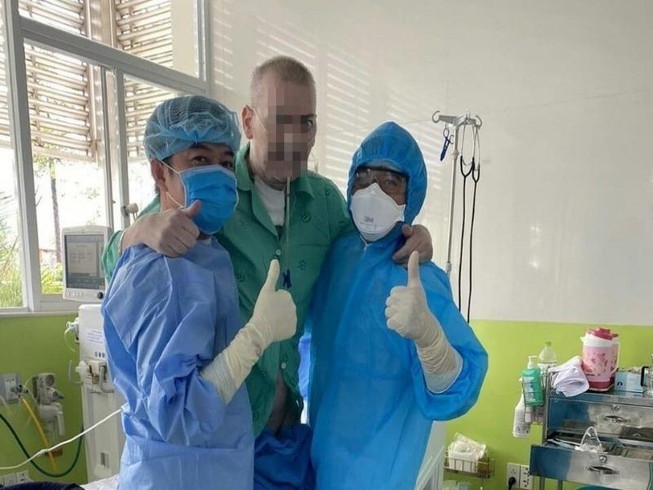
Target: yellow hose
column 35, row 419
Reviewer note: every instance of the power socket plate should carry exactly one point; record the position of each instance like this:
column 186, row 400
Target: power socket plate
column 9, row 383
column 22, row 476
column 513, row 470
column 525, row 481
column 9, row 479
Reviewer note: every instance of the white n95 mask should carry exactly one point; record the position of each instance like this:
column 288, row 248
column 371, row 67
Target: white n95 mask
column 374, row 212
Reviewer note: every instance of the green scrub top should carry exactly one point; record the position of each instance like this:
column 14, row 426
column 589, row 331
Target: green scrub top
column 318, row 216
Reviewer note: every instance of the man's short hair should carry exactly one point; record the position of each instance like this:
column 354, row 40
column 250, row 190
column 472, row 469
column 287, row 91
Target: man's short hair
column 287, row 69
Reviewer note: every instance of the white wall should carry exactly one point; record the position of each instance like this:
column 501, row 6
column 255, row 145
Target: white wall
column 565, row 90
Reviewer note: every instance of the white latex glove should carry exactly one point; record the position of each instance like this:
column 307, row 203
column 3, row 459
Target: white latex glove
column 274, row 313
column 408, row 314
column 171, row 232
column 274, row 319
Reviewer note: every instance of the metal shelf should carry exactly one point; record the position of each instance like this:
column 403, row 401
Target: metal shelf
column 483, row 468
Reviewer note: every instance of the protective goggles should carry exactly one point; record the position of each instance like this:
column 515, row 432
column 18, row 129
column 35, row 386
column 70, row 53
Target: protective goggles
column 390, row 181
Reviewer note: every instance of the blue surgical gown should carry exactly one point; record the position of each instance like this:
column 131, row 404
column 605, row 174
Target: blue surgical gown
column 164, row 319
column 369, row 405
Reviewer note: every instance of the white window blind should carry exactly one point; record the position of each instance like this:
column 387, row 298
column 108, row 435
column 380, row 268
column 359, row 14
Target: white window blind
column 58, row 91
column 58, row 85
column 140, row 100
column 67, row 15
column 144, row 29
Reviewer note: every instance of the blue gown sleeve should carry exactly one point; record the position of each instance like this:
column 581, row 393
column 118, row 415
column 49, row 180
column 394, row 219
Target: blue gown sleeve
column 463, row 393
column 164, row 313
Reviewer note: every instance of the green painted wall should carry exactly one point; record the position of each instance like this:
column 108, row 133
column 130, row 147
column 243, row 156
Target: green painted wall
column 30, row 345
column 33, row 344
column 508, row 345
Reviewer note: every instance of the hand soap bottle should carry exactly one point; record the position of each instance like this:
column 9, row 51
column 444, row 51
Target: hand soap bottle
column 532, row 384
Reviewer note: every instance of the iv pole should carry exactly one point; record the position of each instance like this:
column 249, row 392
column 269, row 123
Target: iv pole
column 457, row 122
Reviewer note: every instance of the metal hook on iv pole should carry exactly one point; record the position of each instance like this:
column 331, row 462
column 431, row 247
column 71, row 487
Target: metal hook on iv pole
column 457, row 122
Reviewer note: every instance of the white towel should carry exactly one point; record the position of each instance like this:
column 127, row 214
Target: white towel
column 569, row 378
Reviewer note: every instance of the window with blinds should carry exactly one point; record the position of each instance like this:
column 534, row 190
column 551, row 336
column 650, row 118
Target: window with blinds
column 140, row 100
column 58, row 86
column 144, row 29
column 59, row 104
column 69, row 110
column 67, row 15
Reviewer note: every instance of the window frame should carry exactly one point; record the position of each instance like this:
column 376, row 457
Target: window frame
column 20, row 30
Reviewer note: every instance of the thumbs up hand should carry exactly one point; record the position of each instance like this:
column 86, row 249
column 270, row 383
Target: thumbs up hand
column 274, row 318
column 171, row 232
column 407, row 311
column 192, row 210
column 275, row 314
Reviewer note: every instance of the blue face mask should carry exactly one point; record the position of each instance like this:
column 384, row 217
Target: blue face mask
column 215, row 187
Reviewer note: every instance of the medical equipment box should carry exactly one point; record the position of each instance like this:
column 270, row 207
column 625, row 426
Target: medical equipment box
column 629, row 380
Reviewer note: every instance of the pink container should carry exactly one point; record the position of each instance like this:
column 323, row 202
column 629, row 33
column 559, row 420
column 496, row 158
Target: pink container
column 600, row 357
column 615, row 353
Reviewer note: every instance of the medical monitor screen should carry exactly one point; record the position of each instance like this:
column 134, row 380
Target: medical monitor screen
column 83, row 274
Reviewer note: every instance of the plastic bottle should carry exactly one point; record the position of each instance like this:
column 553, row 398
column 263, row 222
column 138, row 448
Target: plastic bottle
column 520, row 428
column 545, row 361
column 547, row 358
column 532, row 383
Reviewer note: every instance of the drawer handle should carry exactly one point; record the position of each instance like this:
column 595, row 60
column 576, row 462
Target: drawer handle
column 603, row 470
column 616, row 419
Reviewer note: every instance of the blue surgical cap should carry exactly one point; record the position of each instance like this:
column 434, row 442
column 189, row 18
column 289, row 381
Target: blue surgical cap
column 179, row 123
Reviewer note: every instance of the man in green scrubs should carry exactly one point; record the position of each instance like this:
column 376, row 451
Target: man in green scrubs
column 284, row 212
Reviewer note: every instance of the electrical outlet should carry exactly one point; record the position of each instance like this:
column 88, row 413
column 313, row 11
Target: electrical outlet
column 525, row 482
column 9, row 479
column 22, row 476
column 512, row 470
column 9, row 383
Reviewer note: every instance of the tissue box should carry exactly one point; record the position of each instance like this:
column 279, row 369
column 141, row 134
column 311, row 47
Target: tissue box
column 628, row 380
column 462, row 461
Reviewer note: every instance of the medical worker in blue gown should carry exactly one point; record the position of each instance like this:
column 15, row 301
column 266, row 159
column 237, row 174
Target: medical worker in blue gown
column 172, row 324
column 390, row 352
